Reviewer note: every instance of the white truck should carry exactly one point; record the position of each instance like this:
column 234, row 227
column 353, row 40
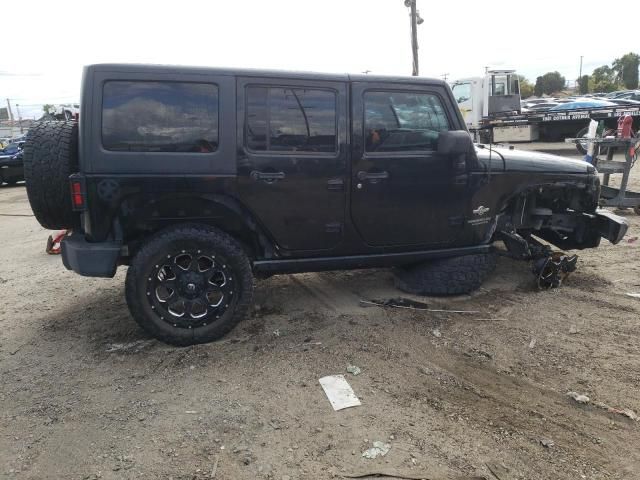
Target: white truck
column 491, row 109
column 494, row 95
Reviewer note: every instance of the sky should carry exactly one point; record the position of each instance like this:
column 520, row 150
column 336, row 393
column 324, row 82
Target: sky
column 53, row 40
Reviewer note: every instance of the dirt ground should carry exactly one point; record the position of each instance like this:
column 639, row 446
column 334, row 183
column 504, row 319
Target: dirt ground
column 85, row 394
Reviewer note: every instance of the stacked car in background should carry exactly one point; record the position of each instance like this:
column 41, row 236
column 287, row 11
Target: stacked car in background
column 594, row 100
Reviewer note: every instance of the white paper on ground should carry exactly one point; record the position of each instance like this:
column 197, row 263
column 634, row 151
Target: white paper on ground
column 339, row 392
column 634, row 295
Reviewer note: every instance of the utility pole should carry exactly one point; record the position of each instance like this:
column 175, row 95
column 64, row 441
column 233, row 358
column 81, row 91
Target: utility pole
column 580, row 76
column 19, row 118
column 415, row 19
column 9, row 108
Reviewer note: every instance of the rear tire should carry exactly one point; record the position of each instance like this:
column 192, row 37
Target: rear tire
column 189, row 284
column 448, row 276
column 50, row 156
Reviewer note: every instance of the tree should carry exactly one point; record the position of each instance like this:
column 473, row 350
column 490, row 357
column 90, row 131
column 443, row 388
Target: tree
column 583, row 84
column 538, row 89
column 552, row 82
column 626, row 70
column 47, row 107
column 526, row 87
column 604, row 79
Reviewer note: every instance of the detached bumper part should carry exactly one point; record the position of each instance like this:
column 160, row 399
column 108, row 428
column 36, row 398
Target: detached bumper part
column 611, row 226
column 90, row 259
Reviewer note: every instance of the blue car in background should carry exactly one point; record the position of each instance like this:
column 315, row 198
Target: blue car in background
column 582, row 104
column 11, row 164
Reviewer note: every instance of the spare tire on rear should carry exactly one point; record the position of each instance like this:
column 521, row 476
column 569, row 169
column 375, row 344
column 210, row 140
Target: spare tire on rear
column 50, row 156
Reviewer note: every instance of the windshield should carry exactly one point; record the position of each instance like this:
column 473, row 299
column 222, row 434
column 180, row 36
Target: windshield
column 462, row 92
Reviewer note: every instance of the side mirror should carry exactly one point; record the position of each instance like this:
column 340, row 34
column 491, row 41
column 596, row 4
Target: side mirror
column 457, row 147
column 454, row 143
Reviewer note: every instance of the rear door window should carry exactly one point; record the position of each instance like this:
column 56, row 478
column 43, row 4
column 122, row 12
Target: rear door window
column 403, row 121
column 139, row 116
column 281, row 119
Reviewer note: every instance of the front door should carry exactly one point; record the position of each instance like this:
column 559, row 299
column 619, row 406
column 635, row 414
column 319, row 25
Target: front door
column 403, row 192
column 292, row 159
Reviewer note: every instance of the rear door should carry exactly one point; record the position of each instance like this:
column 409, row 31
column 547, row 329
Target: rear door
column 403, row 192
column 292, row 158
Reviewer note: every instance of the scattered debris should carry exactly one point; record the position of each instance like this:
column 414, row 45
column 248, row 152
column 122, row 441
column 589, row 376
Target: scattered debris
column 339, row 392
column 122, row 347
column 191, row 412
column 409, row 304
column 579, row 397
column 532, row 343
column 573, row 330
column 620, row 411
column 626, row 412
column 406, row 475
column 354, row 370
column 553, row 269
column 634, row 295
column 276, row 424
column 276, row 333
column 436, row 332
column 236, row 339
column 546, row 443
column 499, row 471
column 214, row 470
column 54, row 243
column 632, row 239
column 379, row 449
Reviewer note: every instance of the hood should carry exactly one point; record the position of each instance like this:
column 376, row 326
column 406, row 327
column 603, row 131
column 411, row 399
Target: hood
column 528, row 161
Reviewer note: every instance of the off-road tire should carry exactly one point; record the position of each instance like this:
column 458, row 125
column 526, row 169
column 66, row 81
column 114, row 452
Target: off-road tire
column 50, row 156
column 448, row 276
column 187, row 238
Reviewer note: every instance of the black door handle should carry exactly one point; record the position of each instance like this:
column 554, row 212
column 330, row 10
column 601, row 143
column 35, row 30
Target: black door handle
column 372, row 175
column 267, row 176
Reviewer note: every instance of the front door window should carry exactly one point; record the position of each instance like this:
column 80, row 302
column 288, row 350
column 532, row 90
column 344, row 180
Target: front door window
column 403, row 121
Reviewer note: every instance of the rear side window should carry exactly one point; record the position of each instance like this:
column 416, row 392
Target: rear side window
column 160, row 117
column 403, row 121
column 290, row 119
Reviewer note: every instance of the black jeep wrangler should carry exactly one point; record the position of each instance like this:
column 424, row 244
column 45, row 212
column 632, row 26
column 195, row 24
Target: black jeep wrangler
column 199, row 178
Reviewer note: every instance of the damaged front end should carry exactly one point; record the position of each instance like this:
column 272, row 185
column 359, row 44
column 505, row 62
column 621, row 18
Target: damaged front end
column 565, row 215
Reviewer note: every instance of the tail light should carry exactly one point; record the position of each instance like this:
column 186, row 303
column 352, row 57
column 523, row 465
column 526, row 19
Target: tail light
column 78, row 192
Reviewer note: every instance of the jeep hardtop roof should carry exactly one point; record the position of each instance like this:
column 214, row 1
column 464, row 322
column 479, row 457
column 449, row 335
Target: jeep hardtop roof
column 130, row 68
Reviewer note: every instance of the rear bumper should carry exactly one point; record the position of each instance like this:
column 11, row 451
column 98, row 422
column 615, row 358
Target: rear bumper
column 90, row 259
column 610, row 226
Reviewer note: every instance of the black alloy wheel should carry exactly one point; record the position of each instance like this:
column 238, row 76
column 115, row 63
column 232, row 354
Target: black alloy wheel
column 189, row 284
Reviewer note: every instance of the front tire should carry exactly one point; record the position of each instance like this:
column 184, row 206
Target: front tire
column 190, row 284
column 447, row 276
